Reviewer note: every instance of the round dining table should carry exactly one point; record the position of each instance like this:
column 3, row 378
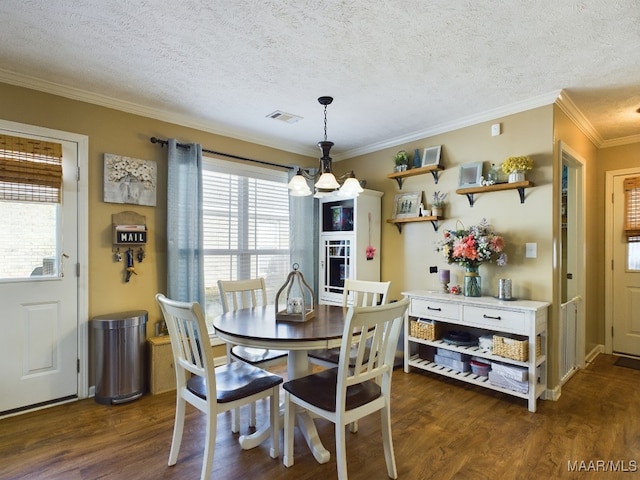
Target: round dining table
column 258, row 327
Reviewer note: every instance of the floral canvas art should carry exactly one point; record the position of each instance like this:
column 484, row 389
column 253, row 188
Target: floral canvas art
column 129, row 180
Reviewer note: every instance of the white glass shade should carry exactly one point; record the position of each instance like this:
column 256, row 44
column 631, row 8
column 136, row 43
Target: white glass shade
column 327, row 182
column 350, row 187
column 298, row 186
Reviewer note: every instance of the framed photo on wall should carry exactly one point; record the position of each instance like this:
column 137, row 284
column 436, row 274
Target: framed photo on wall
column 469, row 175
column 431, row 156
column 407, row 205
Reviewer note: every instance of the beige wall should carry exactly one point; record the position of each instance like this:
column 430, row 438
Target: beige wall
column 112, row 131
column 405, row 257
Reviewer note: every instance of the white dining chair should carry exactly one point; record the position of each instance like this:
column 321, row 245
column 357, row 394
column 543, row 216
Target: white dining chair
column 344, row 394
column 210, row 389
column 360, row 293
column 234, row 295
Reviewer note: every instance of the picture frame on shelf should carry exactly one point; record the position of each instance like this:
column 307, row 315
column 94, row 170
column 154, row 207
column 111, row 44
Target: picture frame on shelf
column 470, row 175
column 407, row 205
column 431, row 156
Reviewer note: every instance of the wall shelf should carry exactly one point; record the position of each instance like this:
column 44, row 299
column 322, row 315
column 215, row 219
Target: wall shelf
column 400, row 176
column 399, row 222
column 520, row 186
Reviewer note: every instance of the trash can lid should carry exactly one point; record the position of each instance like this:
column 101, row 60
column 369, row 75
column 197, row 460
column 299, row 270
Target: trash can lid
column 120, row 320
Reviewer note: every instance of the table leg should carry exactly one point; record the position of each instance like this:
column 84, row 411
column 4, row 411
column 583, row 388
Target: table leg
column 298, row 366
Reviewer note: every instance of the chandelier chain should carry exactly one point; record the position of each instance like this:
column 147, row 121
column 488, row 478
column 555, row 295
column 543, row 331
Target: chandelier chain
column 325, row 123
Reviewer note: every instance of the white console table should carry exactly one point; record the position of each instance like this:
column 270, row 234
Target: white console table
column 480, row 315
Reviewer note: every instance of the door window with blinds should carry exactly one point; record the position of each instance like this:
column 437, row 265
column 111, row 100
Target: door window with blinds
column 632, row 221
column 30, row 196
column 246, row 226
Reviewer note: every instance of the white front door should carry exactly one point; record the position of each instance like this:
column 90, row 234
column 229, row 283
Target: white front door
column 39, row 353
column 626, row 278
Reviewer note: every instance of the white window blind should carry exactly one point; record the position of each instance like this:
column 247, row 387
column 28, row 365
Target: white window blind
column 246, row 226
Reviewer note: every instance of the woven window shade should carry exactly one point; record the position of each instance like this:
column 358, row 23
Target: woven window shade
column 632, row 209
column 30, row 170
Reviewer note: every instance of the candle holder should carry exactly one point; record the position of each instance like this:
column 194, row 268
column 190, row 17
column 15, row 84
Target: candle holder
column 445, row 277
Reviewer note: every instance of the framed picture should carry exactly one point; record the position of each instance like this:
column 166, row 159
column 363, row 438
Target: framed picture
column 407, row 205
column 431, row 156
column 129, row 180
column 470, row 175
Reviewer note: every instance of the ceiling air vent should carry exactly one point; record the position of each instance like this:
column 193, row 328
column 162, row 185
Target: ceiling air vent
column 284, row 117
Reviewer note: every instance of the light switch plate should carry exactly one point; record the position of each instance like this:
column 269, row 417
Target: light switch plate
column 531, row 250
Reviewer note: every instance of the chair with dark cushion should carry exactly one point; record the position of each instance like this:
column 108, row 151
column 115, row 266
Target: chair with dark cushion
column 210, row 389
column 344, row 394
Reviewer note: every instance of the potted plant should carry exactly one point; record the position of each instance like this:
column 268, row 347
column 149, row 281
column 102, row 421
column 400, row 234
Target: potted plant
column 437, row 203
column 401, row 160
column 516, row 167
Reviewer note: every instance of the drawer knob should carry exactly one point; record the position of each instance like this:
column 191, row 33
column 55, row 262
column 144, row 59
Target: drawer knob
column 435, row 309
column 492, row 318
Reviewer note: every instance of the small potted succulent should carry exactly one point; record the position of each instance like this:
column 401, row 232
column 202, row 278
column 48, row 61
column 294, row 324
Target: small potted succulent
column 437, row 203
column 401, row 160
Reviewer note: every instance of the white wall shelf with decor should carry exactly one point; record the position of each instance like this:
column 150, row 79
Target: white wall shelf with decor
column 348, row 226
column 520, row 186
column 400, row 176
column 433, row 319
column 399, row 222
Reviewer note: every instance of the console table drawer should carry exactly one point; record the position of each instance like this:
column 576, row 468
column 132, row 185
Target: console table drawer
column 433, row 309
column 495, row 319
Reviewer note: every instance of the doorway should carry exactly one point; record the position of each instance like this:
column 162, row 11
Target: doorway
column 44, row 347
column 622, row 278
column 571, row 331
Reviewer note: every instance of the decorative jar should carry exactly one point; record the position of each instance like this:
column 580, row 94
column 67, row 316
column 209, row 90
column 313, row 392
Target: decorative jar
column 472, row 282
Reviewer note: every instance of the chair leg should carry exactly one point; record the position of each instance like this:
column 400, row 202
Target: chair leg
column 387, row 442
column 178, row 427
column 209, row 445
column 235, row 420
column 252, row 414
column 341, row 451
column 353, row 427
column 274, row 408
column 289, row 412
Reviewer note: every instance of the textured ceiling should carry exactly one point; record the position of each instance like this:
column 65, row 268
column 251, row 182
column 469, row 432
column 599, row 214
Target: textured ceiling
column 398, row 69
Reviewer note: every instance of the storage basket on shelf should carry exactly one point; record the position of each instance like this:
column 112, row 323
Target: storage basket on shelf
column 424, row 329
column 513, row 348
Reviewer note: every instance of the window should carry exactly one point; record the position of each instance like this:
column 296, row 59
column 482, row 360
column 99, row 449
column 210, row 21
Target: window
column 246, row 226
column 632, row 221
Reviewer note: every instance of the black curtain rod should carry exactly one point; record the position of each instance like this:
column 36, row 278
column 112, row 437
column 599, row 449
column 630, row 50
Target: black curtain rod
column 245, row 159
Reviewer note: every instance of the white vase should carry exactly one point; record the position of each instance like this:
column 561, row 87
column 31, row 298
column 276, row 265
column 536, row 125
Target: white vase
column 516, row 177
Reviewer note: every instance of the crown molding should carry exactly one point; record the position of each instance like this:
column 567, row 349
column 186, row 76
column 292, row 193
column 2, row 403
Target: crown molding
column 136, row 109
column 565, row 104
column 489, row 115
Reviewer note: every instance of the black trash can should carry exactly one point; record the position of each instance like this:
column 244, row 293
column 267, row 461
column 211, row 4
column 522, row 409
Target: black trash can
column 119, row 343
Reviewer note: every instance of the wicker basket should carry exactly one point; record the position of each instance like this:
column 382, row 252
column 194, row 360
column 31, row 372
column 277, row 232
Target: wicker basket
column 513, row 347
column 423, row 330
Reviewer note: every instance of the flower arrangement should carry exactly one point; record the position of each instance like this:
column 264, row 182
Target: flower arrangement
column 517, row 164
column 401, row 158
column 473, row 246
column 437, row 199
column 130, row 169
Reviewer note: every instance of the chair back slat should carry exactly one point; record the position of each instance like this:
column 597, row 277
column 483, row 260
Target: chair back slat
column 189, row 341
column 363, row 293
column 374, row 330
column 237, row 294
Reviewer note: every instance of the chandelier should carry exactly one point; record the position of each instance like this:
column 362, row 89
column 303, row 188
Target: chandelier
column 325, row 181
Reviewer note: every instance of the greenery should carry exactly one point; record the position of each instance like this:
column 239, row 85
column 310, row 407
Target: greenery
column 515, row 164
column 470, row 247
column 437, row 200
column 401, row 158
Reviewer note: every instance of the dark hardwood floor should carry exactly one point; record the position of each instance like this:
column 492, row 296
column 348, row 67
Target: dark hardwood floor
column 442, row 429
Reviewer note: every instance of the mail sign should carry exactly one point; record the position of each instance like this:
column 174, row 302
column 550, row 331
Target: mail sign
column 131, row 237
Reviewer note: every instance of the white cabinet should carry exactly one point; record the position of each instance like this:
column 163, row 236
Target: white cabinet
column 524, row 320
column 347, row 226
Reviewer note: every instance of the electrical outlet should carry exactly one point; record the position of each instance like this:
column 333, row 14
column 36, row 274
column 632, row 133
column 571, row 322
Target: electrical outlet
column 531, row 250
column 433, row 269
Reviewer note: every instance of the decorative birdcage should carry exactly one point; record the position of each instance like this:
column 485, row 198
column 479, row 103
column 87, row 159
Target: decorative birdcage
column 298, row 294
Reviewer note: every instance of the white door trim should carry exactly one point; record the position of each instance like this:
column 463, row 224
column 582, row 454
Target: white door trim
column 83, row 238
column 608, row 245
